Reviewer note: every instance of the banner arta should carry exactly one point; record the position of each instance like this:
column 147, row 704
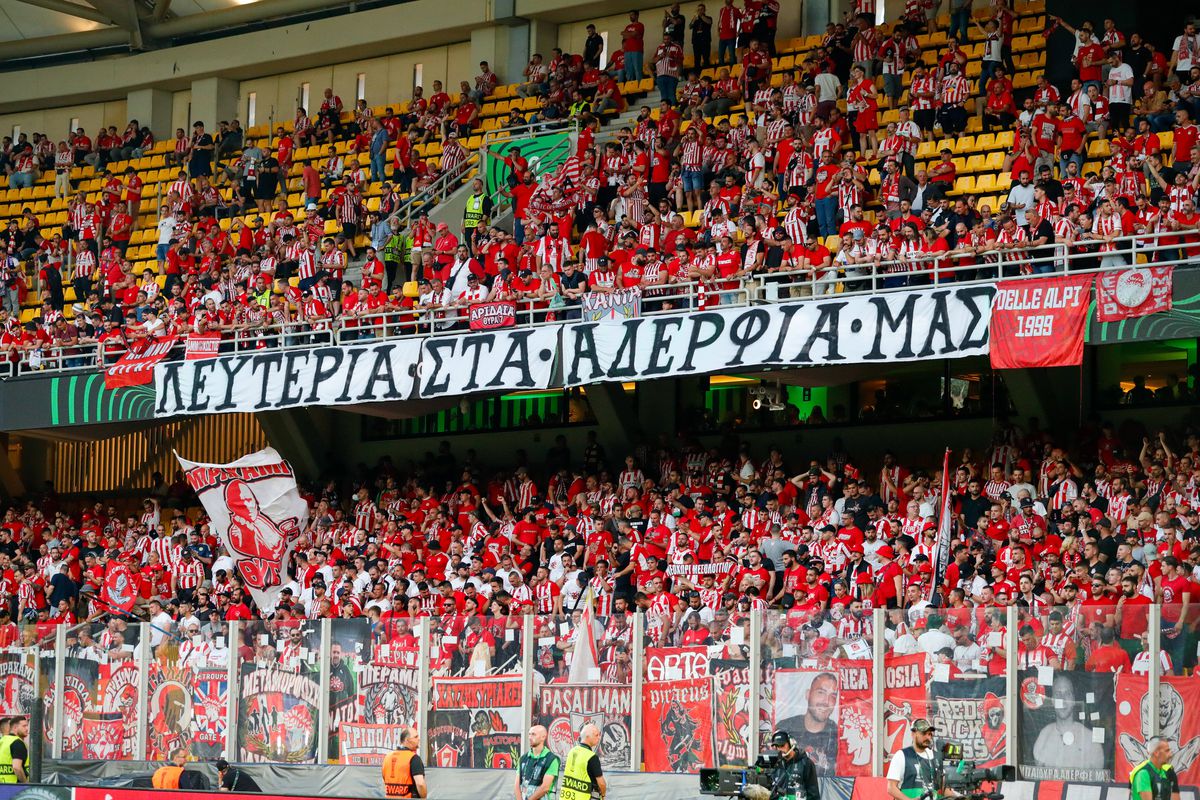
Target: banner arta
column 1040, row 322
column 932, row 323
column 1067, row 725
column 266, row 380
column 565, row 708
column 514, row 360
column 257, row 509
column 1179, row 728
column 203, row 345
column 677, row 725
column 493, row 315
column 676, row 663
column 136, row 368
column 476, row 723
column 612, row 306
column 1133, row 293
column 277, row 716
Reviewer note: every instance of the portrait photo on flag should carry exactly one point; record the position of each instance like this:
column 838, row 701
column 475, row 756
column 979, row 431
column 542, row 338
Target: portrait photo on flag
column 257, row 511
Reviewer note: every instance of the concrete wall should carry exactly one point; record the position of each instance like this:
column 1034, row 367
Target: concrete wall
column 55, row 122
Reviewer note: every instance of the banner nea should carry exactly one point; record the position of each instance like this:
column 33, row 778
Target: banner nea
column 490, row 316
column 1133, row 293
column 908, row 326
column 203, row 345
column 1040, row 322
column 256, row 508
column 136, row 368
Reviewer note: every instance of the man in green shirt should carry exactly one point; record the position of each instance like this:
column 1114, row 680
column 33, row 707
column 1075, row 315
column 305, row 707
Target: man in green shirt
column 538, row 768
column 1154, row 778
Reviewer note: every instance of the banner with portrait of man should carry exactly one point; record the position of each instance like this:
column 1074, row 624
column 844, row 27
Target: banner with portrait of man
column 1067, row 725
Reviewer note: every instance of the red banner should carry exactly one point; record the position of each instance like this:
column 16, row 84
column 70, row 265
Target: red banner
column 904, row 699
column 136, row 368
column 677, row 725
column 1039, row 322
column 856, row 731
column 1180, row 728
column 120, row 591
column 203, row 345
column 1133, row 293
column 489, row 316
column 102, row 739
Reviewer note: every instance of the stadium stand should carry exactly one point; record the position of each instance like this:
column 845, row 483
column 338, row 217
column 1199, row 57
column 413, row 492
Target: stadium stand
column 795, row 133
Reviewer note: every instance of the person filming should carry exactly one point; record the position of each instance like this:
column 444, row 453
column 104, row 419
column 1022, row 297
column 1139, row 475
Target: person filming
column 917, row 771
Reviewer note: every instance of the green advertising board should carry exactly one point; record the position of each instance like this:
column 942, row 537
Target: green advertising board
column 545, row 153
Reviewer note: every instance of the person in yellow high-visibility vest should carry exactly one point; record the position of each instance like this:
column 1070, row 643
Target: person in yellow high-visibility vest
column 582, row 778
column 14, row 755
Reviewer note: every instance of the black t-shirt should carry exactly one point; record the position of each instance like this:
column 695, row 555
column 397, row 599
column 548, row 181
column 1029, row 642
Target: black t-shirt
column 1043, row 230
column 975, row 507
column 20, row 753
column 594, row 770
column 576, row 280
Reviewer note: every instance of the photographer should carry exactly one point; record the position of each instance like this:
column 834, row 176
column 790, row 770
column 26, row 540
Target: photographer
column 795, row 776
column 917, row 771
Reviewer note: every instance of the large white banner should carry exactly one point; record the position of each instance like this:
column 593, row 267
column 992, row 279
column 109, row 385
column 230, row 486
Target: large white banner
column 270, row 380
column 898, row 326
column 257, row 511
column 516, row 359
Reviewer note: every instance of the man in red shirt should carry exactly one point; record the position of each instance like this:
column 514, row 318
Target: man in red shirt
column 634, row 47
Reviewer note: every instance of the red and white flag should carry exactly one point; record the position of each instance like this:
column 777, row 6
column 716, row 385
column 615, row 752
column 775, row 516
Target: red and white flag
column 256, row 509
column 1039, row 322
column 120, row 591
column 1133, row 293
column 136, row 367
column 203, row 345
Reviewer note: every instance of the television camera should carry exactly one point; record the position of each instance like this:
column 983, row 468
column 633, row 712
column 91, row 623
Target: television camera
column 967, row 779
column 748, row 782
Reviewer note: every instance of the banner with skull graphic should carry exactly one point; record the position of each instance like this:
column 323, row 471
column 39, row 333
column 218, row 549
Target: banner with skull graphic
column 1181, row 730
column 257, row 511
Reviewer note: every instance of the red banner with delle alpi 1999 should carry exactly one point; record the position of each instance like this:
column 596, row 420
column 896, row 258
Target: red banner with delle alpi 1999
column 1039, row 322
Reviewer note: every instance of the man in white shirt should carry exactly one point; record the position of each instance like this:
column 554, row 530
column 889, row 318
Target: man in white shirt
column 1120, row 91
column 166, row 232
column 160, row 624
column 1020, row 197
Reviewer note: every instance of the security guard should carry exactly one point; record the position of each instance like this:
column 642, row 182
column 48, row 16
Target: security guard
column 167, row 776
column 13, row 753
column 582, row 778
column 796, row 775
column 916, row 771
column 1154, row 778
column 538, row 769
column 479, row 209
column 403, row 771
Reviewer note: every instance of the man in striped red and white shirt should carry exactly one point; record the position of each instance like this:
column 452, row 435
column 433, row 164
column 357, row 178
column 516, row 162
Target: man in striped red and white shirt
column 186, row 576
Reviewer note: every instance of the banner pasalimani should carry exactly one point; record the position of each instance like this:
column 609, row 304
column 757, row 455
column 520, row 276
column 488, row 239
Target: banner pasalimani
column 565, row 708
column 908, row 326
column 256, row 509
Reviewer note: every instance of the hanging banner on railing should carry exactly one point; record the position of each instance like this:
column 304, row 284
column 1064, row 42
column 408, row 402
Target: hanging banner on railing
column 256, row 507
column 1133, row 293
column 613, row 306
column 203, row 345
column 80, row 678
column 903, row 326
column 210, row 705
column 971, row 713
column 493, row 315
column 476, row 722
column 360, row 743
column 1177, row 725
column 18, row 685
column 904, row 697
column 136, row 367
column 102, row 738
column 829, row 713
column 1040, row 322
column 1067, row 725
column 734, row 726
column 277, row 715
column 676, row 663
column 677, row 725
column 510, row 360
column 272, row 380
column 119, row 695
column 564, row 709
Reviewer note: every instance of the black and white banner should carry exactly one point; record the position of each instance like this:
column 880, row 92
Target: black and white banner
column 266, row 381
column 902, row 326
column 509, row 360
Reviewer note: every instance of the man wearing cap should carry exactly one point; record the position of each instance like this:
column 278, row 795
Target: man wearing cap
column 234, row 779
column 915, row 771
column 796, row 776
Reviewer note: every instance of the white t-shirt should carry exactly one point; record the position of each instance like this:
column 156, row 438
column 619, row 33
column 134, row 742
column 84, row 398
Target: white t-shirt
column 1118, row 93
column 896, row 767
column 162, row 623
column 1188, row 57
column 166, row 229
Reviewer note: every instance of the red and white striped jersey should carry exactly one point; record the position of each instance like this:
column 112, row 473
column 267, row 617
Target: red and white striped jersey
column 955, row 90
column 994, row 489
column 929, row 85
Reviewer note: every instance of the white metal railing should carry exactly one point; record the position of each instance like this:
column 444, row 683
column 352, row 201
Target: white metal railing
column 871, row 277
column 435, row 192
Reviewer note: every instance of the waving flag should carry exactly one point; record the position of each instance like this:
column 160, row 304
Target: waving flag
column 941, row 556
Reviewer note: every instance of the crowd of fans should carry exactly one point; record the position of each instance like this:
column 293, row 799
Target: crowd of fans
column 804, row 180
column 1080, row 541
